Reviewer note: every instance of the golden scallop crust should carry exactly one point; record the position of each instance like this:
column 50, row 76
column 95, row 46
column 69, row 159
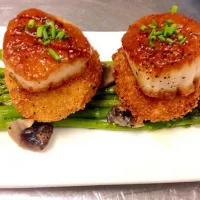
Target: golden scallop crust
column 29, row 59
column 162, row 57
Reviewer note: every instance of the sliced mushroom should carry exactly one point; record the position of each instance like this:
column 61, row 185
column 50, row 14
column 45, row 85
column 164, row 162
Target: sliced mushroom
column 108, row 77
column 119, row 115
column 29, row 134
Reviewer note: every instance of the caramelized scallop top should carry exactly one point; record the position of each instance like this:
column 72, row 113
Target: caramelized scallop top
column 29, row 60
column 163, row 56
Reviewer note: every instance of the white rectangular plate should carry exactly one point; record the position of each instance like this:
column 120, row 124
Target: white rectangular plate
column 95, row 157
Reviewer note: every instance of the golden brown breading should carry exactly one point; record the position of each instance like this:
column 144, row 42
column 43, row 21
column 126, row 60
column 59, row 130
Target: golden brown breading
column 56, row 104
column 144, row 107
column 29, row 61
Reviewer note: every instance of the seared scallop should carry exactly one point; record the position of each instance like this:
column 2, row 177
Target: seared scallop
column 143, row 107
column 168, row 68
column 47, row 53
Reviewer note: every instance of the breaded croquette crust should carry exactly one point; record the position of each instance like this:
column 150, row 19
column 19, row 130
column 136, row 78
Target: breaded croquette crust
column 145, row 108
column 54, row 105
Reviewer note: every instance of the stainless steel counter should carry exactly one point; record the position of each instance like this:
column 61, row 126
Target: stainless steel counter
column 103, row 15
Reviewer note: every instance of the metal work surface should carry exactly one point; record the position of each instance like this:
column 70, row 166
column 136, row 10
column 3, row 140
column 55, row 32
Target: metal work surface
column 103, row 15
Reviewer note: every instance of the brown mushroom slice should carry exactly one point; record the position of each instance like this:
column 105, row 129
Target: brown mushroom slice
column 123, row 117
column 30, row 134
column 108, row 76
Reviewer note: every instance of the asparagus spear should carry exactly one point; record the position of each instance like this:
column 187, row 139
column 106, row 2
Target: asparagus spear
column 1, row 73
column 4, row 124
column 95, row 113
column 9, row 112
column 5, row 99
column 98, row 124
column 103, row 103
column 2, row 81
column 89, row 123
column 106, row 97
column 108, row 90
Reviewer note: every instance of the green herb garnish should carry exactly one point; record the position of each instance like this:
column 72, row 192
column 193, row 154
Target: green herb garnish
column 166, row 33
column 54, row 54
column 174, row 9
column 44, row 33
column 180, row 37
column 31, row 23
column 143, row 28
column 182, row 41
column 39, row 32
column 170, row 41
column 161, row 38
column 60, row 35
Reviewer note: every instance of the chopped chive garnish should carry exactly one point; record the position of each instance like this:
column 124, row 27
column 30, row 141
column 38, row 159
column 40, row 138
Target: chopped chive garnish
column 170, row 41
column 53, row 28
column 151, row 26
column 60, row 35
column 168, row 21
column 161, row 38
column 40, row 41
column 151, row 34
column 152, row 41
column 180, row 37
column 53, row 31
column 54, row 54
column 39, row 31
column 143, row 28
column 44, row 43
column 67, row 36
column 182, row 41
column 171, row 29
column 165, row 33
column 153, row 38
column 31, row 23
column 174, row 9
column 58, row 30
column 44, row 34
column 47, row 42
column 160, row 32
column 166, row 30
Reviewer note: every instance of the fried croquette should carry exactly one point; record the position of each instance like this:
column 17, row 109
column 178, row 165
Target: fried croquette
column 145, row 108
column 166, row 69
column 26, row 55
column 56, row 104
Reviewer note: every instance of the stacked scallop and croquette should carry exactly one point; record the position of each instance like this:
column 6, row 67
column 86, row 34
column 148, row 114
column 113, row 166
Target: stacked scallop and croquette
column 157, row 69
column 51, row 69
